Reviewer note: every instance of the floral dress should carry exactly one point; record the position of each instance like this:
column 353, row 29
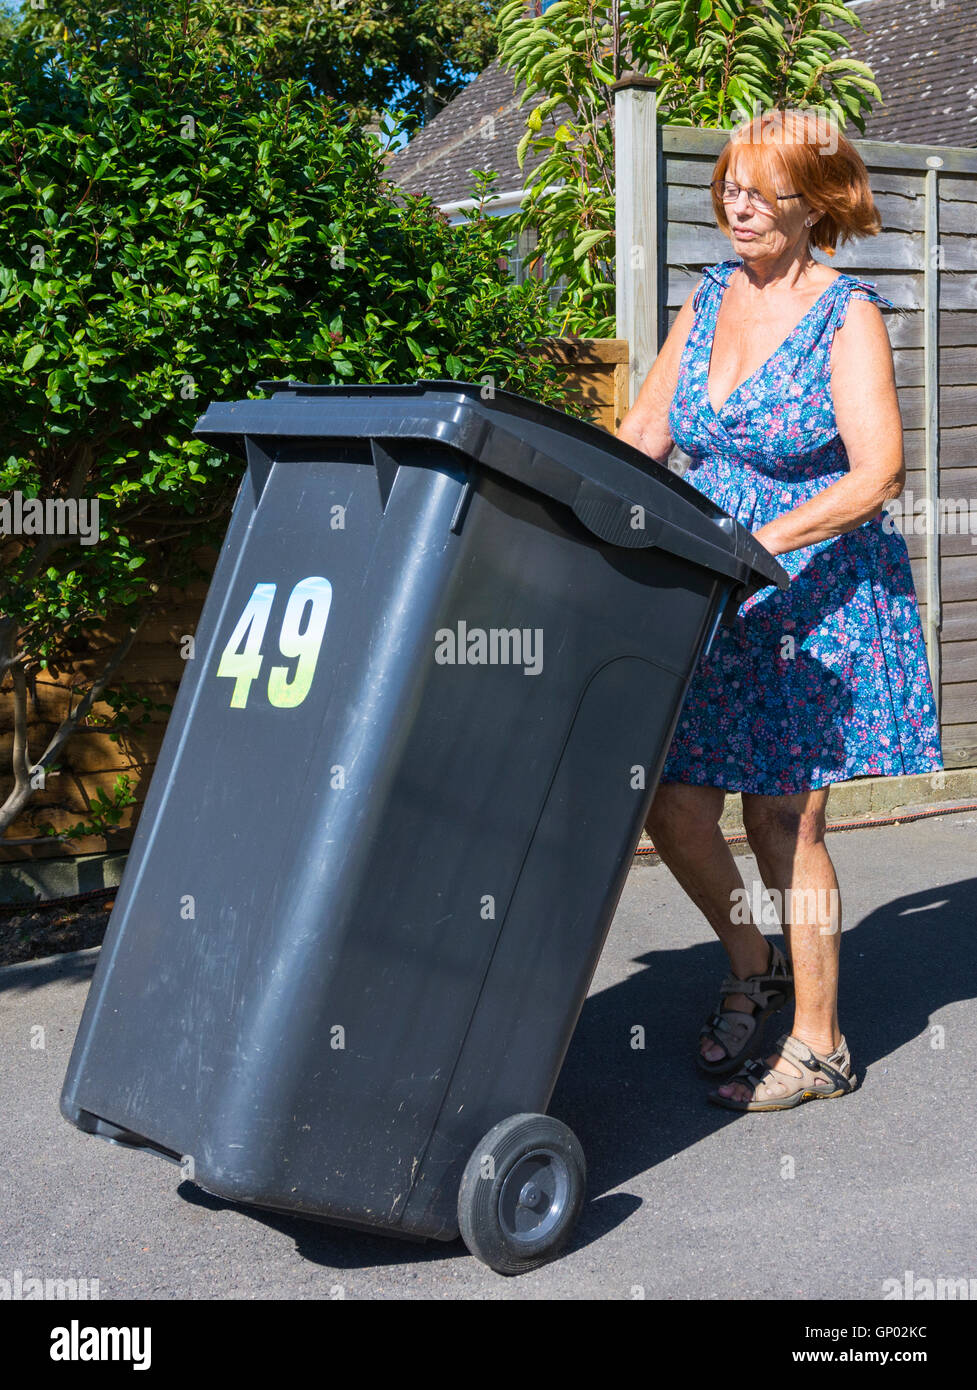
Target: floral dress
column 826, row 680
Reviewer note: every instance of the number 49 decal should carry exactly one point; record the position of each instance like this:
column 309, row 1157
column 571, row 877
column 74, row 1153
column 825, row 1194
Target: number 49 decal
column 244, row 666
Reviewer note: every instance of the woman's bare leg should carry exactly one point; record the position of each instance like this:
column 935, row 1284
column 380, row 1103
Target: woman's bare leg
column 684, row 825
column 786, row 834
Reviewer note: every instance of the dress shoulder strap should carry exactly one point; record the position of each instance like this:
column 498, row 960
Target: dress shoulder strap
column 850, row 288
column 713, row 275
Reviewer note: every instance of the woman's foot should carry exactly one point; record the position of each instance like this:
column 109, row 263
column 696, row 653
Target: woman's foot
column 710, row 1050
column 794, row 1073
column 731, row 1031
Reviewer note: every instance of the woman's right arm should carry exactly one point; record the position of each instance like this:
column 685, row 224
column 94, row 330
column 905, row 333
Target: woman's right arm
column 645, row 426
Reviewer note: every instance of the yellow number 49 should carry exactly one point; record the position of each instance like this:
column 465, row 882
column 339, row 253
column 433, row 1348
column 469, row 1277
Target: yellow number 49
column 294, row 641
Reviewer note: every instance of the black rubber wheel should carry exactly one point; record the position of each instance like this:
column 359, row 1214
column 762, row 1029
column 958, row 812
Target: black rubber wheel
column 521, row 1193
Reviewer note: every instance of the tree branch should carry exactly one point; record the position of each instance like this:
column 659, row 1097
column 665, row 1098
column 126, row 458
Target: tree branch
column 22, row 790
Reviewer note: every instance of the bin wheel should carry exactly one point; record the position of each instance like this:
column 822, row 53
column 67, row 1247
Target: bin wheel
column 521, row 1193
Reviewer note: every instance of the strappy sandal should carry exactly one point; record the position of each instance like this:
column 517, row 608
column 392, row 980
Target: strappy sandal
column 734, row 1030
column 821, row 1078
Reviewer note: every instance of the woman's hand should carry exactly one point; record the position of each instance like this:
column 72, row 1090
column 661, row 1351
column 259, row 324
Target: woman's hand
column 770, row 538
column 863, row 389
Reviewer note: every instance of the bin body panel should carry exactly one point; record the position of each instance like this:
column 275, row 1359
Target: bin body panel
column 375, row 868
column 546, row 956
column 276, row 861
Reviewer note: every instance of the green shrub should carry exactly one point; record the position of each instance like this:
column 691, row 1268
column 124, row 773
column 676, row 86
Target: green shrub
column 177, row 227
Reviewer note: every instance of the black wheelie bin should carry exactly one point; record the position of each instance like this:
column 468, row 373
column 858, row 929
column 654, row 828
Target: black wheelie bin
column 434, row 681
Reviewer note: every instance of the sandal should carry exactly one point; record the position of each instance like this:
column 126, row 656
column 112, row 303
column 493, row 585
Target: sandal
column 820, row 1078
column 734, row 1030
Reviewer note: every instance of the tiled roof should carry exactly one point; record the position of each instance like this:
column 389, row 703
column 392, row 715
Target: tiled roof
column 924, row 57
column 479, row 129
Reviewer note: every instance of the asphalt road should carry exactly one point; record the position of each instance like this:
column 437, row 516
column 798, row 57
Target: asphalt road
column 685, row 1201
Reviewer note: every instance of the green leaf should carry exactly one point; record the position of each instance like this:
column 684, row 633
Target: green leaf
column 33, row 356
column 741, row 92
column 584, row 243
column 854, row 66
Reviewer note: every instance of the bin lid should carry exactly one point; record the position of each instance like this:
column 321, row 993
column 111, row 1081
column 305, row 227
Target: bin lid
column 599, row 477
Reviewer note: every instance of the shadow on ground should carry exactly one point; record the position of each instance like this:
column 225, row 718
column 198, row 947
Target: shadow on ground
column 633, row 1109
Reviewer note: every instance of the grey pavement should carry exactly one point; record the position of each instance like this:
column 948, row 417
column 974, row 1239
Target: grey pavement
column 685, row 1200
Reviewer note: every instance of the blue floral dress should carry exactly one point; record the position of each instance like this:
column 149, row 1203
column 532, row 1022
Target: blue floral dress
column 826, row 680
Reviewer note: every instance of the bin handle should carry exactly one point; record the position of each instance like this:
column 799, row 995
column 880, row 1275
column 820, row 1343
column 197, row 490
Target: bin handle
column 614, row 519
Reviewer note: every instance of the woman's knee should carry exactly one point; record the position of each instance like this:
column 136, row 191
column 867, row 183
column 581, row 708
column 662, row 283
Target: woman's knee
column 685, row 817
column 778, row 825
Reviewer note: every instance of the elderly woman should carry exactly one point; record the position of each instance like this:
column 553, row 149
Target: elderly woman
column 777, row 380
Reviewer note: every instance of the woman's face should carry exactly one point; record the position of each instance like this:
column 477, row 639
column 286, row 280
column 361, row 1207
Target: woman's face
column 765, row 236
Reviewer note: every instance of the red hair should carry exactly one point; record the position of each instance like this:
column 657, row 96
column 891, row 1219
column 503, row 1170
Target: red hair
column 803, row 151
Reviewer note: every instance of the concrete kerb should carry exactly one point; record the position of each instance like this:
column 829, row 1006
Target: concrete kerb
column 43, row 880
column 880, row 796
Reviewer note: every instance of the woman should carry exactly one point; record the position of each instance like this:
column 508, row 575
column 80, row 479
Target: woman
column 777, row 380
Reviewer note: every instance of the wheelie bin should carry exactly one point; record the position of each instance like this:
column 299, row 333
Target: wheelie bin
column 434, row 681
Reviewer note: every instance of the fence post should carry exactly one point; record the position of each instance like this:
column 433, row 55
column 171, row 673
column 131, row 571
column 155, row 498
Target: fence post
column 931, row 413
column 636, row 254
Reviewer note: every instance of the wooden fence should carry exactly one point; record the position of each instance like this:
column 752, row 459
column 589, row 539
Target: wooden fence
column 596, row 372
column 93, row 758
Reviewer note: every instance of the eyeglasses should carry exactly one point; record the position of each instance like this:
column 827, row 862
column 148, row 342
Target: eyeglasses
column 729, row 192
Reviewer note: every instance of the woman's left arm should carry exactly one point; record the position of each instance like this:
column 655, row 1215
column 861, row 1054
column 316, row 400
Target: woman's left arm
column 863, row 388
